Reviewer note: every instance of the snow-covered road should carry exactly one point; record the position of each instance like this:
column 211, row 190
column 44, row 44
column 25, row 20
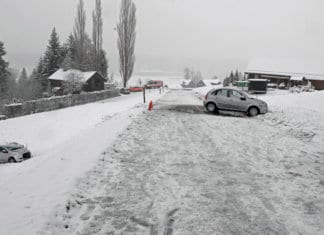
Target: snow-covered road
column 66, row 143
column 178, row 170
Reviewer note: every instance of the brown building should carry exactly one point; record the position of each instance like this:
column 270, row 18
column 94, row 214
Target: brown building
column 88, row 81
column 288, row 71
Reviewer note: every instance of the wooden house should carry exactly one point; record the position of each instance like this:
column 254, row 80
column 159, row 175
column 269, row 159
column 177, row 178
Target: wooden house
column 88, row 81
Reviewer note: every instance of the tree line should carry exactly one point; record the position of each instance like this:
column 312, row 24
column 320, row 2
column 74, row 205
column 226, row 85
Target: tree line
column 232, row 78
column 192, row 75
column 80, row 51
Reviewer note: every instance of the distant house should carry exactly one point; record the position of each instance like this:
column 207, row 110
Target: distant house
column 200, row 83
column 287, row 71
column 212, row 82
column 185, row 83
column 89, row 81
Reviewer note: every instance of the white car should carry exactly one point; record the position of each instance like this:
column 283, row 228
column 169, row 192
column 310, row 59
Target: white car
column 13, row 152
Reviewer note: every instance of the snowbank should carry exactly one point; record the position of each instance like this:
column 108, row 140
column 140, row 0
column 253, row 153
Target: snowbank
column 302, row 114
column 305, row 100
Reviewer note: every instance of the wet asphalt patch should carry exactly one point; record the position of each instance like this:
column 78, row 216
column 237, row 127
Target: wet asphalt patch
column 192, row 109
column 199, row 109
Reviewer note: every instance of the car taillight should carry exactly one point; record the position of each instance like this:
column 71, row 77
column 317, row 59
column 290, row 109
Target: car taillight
column 206, row 96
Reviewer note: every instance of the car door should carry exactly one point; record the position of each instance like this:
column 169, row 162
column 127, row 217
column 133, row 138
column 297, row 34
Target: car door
column 237, row 103
column 222, row 98
column 3, row 154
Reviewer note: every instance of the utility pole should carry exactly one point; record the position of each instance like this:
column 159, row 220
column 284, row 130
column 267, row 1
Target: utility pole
column 144, row 95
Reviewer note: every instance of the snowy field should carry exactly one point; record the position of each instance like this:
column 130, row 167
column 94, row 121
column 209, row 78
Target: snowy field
column 299, row 113
column 112, row 167
column 65, row 144
column 178, row 170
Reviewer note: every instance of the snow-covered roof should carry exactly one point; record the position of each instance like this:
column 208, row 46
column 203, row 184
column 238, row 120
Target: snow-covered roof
column 70, row 74
column 296, row 78
column 212, row 82
column 310, row 69
column 186, row 82
column 258, row 80
column 13, row 104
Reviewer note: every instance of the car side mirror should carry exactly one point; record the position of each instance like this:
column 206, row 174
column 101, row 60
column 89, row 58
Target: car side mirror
column 243, row 98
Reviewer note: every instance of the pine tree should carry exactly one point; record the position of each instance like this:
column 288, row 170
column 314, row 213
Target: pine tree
column 38, row 74
column 33, row 75
column 67, row 62
column 4, row 73
column 51, row 60
column 12, row 84
column 53, row 55
column 236, row 76
column 231, row 77
column 103, row 64
column 39, row 67
column 23, row 75
column 23, row 84
column 232, row 74
column 68, row 54
column 35, row 85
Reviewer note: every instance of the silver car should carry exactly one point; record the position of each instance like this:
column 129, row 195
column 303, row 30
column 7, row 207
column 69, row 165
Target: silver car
column 13, row 152
column 231, row 99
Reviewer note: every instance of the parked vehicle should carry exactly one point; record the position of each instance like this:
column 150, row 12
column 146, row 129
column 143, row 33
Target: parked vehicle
column 136, row 89
column 154, row 84
column 272, row 85
column 3, row 117
column 282, row 86
column 124, row 91
column 231, row 99
column 14, row 152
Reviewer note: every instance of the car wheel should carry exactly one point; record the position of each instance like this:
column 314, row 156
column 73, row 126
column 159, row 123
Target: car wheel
column 12, row 160
column 211, row 107
column 253, row 112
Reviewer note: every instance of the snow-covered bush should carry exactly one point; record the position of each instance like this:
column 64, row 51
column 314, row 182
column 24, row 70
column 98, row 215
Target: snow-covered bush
column 72, row 85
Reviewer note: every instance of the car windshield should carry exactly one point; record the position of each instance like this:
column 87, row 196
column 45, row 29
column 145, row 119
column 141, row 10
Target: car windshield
column 13, row 146
column 245, row 94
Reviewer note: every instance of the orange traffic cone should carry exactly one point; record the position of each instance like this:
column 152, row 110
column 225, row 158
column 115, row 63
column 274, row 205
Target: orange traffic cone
column 150, row 107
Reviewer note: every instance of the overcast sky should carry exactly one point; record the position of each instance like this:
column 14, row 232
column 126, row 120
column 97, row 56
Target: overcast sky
column 211, row 35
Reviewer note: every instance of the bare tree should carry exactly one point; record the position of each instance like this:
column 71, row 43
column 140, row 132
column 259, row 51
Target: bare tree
column 97, row 33
column 79, row 34
column 126, row 39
